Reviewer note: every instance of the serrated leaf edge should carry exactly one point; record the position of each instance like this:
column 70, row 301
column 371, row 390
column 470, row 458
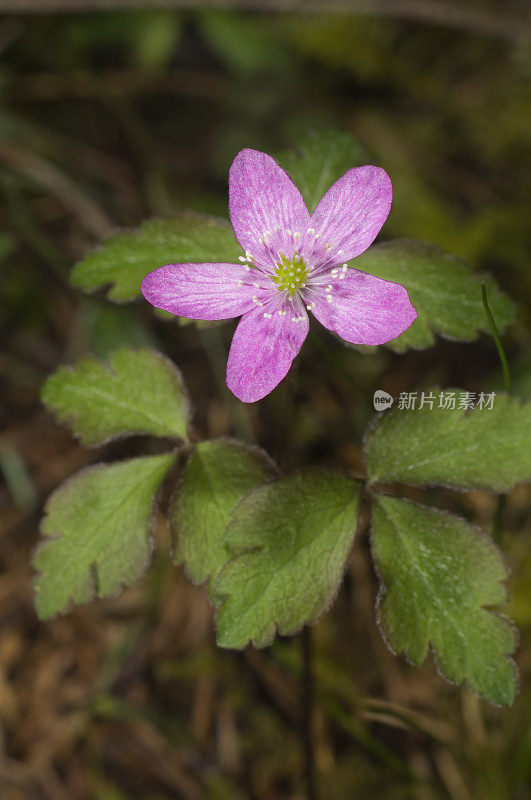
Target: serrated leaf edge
column 46, row 539
column 383, row 590
column 68, row 421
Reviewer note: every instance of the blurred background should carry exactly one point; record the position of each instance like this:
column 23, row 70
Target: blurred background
column 111, row 114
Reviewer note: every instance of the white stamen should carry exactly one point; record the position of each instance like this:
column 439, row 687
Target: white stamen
column 242, row 258
column 310, row 230
column 267, row 316
column 329, row 297
column 296, row 236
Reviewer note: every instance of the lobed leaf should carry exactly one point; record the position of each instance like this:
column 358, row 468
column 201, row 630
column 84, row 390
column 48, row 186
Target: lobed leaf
column 291, row 539
column 123, row 261
column 217, row 476
column 438, row 575
column 140, row 391
column 321, row 157
column 444, row 290
column 478, row 449
column 99, row 529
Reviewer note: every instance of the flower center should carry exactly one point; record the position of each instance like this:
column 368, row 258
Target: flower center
column 291, row 274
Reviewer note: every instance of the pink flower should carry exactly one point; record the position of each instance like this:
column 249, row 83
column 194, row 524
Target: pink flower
column 292, row 263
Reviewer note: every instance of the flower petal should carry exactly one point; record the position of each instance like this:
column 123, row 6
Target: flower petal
column 267, row 211
column 362, row 309
column 204, row 291
column 350, row 215
column 264, row 345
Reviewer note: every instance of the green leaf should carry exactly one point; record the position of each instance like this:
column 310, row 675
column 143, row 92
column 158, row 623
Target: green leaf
column 438, row 575
column 99, row 524
column 444, row 290
column 478, row 449
column 217, row 476
column 140, row 391
column 123, row 261
column 292, row 538
column 319, row 160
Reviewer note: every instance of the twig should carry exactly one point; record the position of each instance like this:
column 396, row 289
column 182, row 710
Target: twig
column 447, row 13
column 45, row 174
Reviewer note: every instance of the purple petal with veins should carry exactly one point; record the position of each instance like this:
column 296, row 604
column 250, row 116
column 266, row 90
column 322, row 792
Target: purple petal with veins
column 358, row 307
column 204, row 291
column 263, row 348
column 266, row 209
column 350, row 215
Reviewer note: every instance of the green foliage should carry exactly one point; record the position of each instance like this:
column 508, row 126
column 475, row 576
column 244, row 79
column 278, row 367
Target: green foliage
column 319, row 160
column 479, row 449
column 243, row 45
column 6, row 245
column 139, row 392
column 157, row 37
column 438, row 573
column 443, row 289
column 123, row 261
column 292, row 538
column 216, row 477
column 99, row 529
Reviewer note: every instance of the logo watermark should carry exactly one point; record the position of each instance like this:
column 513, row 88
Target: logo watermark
column 382, row 400
column 409, row 401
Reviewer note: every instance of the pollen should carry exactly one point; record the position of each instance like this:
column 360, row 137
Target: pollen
column 290, row 274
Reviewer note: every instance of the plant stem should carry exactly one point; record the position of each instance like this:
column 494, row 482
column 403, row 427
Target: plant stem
column 308, row 703
column 283, row 457
column 507, row 382
column 497, row 529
